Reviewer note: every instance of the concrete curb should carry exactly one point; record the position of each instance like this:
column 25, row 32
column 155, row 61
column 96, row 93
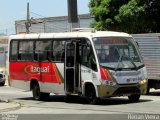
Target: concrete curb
column 5, row 107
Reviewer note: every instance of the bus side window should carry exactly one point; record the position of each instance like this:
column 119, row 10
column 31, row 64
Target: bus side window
column 14, row 51
column 42, row 49
column 25, row 51
column 58, row 51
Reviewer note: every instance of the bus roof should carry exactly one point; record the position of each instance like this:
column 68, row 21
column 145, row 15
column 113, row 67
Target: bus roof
column 70, row 35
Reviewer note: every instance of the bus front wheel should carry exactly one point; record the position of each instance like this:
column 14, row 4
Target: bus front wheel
column 134, row 98
column 90, row 94
column 37, row 95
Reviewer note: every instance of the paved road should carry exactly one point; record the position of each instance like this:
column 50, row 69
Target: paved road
column 57, row 104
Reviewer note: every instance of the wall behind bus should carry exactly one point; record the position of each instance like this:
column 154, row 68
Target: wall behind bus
column 52, row 24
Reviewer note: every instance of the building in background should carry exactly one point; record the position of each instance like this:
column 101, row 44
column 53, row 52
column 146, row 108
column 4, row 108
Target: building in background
column 52, row 24
column 3, row 53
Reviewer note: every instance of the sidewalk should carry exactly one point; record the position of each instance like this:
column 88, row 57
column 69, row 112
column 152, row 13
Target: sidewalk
column 8, row 106
column 4, row 106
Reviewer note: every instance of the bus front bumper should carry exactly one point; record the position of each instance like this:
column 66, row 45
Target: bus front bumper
column 122, row 90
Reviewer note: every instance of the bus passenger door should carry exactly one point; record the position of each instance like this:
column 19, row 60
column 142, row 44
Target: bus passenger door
column 72, row 77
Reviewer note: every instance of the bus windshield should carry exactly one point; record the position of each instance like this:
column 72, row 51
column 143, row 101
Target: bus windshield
column 117, row 52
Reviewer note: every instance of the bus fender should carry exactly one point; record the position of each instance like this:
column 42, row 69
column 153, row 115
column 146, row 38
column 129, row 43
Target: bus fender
column 89, row 84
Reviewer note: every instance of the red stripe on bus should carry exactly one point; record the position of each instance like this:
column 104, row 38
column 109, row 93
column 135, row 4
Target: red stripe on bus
column 41, row 71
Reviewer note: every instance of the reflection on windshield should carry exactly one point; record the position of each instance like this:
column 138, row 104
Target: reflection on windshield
column 117, row 52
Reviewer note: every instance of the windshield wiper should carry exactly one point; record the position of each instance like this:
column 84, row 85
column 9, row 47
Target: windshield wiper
column 120, row 59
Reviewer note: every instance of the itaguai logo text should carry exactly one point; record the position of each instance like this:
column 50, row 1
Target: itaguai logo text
column 35, row 69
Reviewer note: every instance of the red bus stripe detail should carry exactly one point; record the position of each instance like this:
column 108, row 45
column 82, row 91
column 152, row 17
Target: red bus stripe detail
column 105, row 74
column 56, row 74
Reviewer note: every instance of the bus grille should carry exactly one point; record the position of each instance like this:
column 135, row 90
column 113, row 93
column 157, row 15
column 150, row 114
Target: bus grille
column 126, row 90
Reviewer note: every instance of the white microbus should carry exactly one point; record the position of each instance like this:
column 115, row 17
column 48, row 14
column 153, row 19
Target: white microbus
column 94, row 64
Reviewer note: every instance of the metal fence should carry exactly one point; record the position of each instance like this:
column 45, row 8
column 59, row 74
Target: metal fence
column 149, row 45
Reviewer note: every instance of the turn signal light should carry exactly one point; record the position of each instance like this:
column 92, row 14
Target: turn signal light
column 105, row 74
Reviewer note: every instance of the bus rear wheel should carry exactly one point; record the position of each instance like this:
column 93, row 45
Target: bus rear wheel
column 37, row 95
column 90, row 94
column 134, row 98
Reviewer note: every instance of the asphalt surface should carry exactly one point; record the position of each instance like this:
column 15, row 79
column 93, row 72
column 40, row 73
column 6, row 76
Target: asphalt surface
column 5, row 107
column 19, row 102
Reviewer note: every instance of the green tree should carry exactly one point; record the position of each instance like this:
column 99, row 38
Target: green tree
column 132, row 16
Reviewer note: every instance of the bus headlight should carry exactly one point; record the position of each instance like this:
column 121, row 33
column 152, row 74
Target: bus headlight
column 108, row 82
column 143, row 81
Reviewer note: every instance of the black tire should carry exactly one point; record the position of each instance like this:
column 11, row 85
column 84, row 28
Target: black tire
column 37, row 95
column 134, row 98
column 90, row 94
column 2, row 84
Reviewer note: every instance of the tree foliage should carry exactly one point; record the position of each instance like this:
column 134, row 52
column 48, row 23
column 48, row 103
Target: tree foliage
column 132, row 16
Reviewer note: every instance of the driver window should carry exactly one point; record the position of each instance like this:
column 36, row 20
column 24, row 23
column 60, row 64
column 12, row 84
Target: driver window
column 113, row 54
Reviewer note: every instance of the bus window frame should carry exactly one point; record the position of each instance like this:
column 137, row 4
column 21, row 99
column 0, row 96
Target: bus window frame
column 10, row 51
column 63, row 52
column 31, row 51
column 91, row 51
column 34, row 50
column 90, row 56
